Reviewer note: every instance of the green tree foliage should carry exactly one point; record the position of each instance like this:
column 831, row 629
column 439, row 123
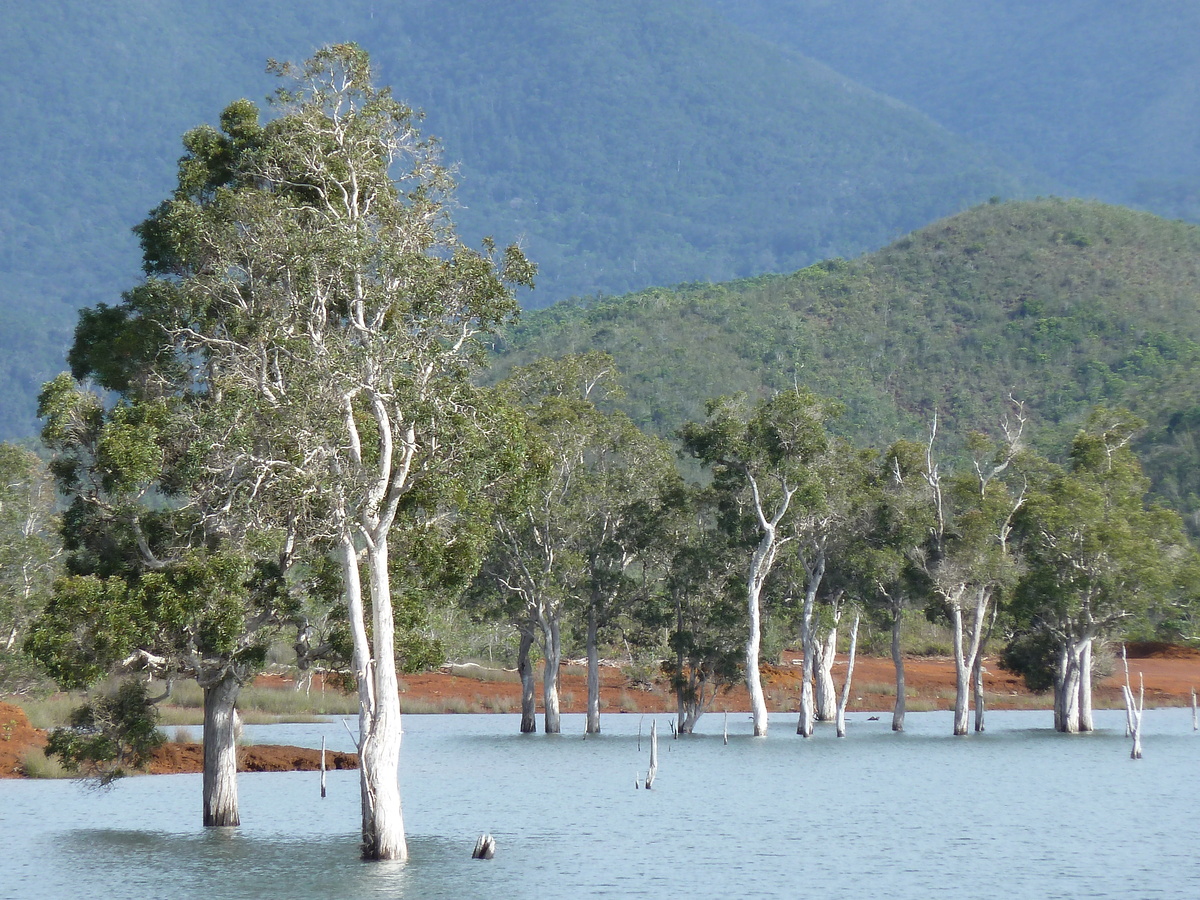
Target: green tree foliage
column 110, row 737
column 30, row 559
column 695, row 597
column 892, row 555
column 153, row 587
column 822, row 573
column 1097, row 555
column 568, row 545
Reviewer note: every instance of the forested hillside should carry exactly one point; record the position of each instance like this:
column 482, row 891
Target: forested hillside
column 624, row 144
column 1063, row 304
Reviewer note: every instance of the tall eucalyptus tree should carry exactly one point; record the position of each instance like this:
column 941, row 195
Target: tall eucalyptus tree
column 967, row 557
column 692, row 594
column 761, row 459
column 312, row 312
column 1097, row 554
column 569, row 547
column 150, row 589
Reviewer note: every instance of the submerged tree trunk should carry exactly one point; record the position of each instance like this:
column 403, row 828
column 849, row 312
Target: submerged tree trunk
column 1086, row 723
column 1066, row 683
column 844, row 699
column 758, row 701
column 808, row 645
column 379, row 747
column 898, row 662
column 552, row 647
column 1060, row 686
column 826, row 691
column 977, row 692
column 966, row 653
column 961, row 673
column 691, row 713
column 593, row 675
column 220, row 751
column 525, row 672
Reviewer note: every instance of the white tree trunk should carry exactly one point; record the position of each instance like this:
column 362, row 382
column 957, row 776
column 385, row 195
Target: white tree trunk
column 898, row 663
column 977, row 692
column 1067, row 690
column 844, row 699
column 1060, row 674
column 525, row 672
column 961, row 672
column 826, row 690
column 653, row 770
column 379, row 749
column 1086, row 722
column 552, row 718
column 758, row 701
column 220, row 751
column 593, row 675
column 808, row 645
column 966, row 653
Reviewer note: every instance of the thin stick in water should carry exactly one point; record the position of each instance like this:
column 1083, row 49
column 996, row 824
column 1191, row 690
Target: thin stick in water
column 653, row 754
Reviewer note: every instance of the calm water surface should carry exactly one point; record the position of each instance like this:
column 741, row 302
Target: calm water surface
column 1019, row 812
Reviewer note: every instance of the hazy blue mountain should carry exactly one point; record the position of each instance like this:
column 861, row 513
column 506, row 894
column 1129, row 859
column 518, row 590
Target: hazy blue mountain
column 625, row 144
column 1101, row 96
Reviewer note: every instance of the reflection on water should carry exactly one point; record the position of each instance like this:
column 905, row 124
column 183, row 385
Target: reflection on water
column 1017, row 812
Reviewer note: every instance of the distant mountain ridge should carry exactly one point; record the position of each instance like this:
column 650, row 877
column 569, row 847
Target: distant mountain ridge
column 1100, row 96
column 625, row 144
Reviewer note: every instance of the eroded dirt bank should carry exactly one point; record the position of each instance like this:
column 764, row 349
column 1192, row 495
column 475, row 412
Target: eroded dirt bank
column 1170, row 674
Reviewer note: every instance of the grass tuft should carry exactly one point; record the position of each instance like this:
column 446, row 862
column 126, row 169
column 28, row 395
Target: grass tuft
column 36, row 764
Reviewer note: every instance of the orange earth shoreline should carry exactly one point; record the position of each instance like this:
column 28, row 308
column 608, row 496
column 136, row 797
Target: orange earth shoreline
column 1170, row 673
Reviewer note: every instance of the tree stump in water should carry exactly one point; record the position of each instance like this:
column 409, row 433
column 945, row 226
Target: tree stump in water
column 485, row 847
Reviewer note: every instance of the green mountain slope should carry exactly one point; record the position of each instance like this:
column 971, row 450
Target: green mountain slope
column 1063, row 304
column 626, row 144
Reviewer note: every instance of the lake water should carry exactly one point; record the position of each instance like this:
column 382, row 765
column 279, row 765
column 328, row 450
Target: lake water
column 1019, row 812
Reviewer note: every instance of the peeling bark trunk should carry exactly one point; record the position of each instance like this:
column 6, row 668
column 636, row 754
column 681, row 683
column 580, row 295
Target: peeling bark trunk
column 808, row 645
column 961, row 673
column 758, row 702
column 826, row 691
column 1067, row 708
column 1086, row 722
column 845, row 696
column 977, row 691
column 898, row 662
column 525, row 672
column 220, row 751
column 593, row 675
column 692, row 713
column 379, row 749
column 552, row 718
